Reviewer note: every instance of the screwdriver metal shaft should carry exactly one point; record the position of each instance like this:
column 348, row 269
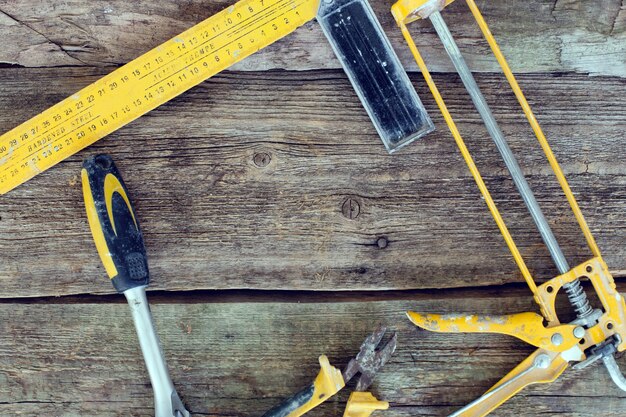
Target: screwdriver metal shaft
column 167, row 403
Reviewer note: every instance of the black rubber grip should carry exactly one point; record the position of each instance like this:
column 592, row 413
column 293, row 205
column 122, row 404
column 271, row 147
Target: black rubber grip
column 114, row 225
column 375, row 71
column 292, row 403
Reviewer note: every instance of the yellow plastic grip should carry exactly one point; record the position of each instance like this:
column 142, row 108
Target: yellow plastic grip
column 363, row 404
column 96, row 227
column 524, row 326
column 328, row 382
column 113, row 224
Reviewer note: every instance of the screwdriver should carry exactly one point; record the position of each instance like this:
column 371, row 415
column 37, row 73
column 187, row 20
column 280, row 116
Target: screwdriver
column 119, row 242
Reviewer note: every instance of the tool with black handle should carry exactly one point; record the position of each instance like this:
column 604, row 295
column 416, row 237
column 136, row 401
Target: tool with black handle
column 116, row 232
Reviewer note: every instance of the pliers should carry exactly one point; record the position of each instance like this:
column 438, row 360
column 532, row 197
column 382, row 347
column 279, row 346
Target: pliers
column 330, row 380
column 119, row 242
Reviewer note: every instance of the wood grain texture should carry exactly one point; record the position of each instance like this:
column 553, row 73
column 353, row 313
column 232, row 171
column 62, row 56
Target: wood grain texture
column 263, row 179
column 240, row 359
column 536, row 35
column 215, row 219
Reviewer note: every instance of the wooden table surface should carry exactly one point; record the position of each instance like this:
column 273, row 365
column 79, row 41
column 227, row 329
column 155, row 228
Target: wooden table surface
column 243, row 186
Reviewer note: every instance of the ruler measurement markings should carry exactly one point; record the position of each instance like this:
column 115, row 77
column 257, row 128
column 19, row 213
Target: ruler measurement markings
column 60, row 109
column 65, row 121
column 268, row 9
column 33, row 159
column 69, row 119
column 277, row 6
column 218, row 49
column 120, row 97
column 32, row 155
column 268, row 14
column 26, row 139
column 34, row 139
column 51, row 146
column 104, row 80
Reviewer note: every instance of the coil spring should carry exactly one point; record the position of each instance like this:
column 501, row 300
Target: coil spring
column 578, row 299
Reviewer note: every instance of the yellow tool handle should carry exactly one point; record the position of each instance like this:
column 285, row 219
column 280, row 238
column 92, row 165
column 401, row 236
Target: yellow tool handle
column 145, row 83
column 113, row 224
column 363, row 404
column 524, row 326
column 541, row 367
column 327, row 383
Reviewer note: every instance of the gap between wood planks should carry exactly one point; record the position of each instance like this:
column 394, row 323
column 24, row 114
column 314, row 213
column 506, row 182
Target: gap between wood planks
column 299, row 296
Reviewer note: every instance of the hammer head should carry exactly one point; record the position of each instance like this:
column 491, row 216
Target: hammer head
column 372, row 356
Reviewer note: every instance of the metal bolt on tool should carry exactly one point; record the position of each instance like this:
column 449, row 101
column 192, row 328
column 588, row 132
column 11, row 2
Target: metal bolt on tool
column 557, row 339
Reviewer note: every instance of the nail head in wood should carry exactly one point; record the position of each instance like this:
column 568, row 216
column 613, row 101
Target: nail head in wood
column 351, row 208
column 262, row 159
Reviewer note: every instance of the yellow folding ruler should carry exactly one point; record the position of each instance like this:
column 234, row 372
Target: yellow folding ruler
column 203, row 51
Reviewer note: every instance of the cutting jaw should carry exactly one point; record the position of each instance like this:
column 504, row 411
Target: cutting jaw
column 370, row 358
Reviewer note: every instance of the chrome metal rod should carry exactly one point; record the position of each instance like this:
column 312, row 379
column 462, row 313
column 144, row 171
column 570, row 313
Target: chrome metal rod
column 166, row 400
column 498, row 137
column 575, row 292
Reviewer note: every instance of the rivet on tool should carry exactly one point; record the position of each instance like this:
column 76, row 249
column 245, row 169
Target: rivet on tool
column 542, row 361
column 579, row 332
column 557, row 339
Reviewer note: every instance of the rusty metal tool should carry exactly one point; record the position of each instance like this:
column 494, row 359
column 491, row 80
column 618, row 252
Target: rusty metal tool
column 330, row 380
column 367, row 362
column 597, row 333
column 119, row 242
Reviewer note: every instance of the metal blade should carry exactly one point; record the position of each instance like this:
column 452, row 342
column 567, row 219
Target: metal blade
column 370, row 358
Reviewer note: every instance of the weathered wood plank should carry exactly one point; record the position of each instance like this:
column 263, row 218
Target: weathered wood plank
column 240, row 359
column 215, row 219
column 537, row 35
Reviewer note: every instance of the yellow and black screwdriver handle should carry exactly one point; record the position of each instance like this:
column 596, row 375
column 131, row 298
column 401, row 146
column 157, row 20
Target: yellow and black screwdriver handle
column 113, row 224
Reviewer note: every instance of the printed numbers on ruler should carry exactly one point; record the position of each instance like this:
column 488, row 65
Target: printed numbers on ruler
column 145, row 83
